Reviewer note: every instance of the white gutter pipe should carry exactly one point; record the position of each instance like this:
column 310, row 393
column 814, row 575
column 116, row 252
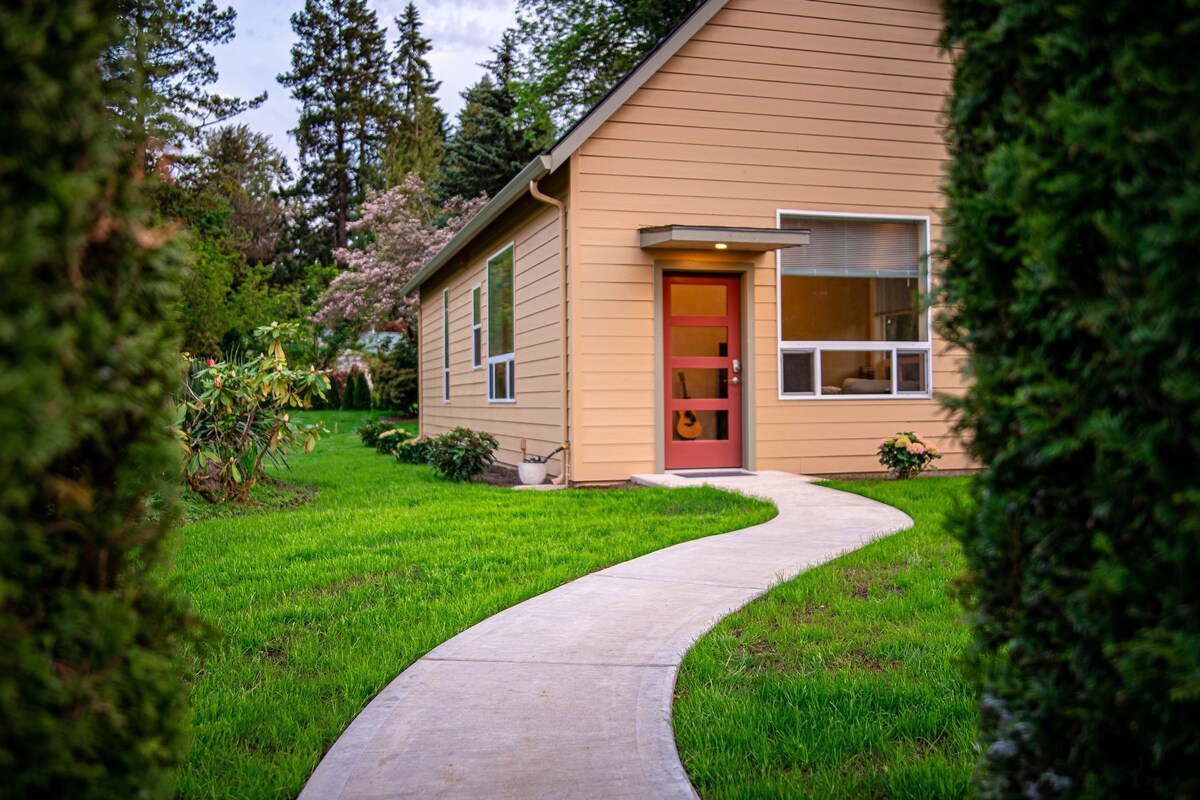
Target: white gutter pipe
column 564, row 476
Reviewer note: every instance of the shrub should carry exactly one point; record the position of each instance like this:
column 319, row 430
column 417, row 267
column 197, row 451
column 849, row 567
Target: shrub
column 414, row 451
column 395, row 375
column 361, row 393
column 369, row 431
column 233, row 416
column 92, row 699
column 391, row 440
column 906, row 454
column 462, row 453
column 334, row 401
column 1071, row 281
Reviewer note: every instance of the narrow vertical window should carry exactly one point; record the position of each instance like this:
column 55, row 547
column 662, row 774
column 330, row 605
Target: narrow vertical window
column 501, row 348
column 476, row 331
column 445, row 345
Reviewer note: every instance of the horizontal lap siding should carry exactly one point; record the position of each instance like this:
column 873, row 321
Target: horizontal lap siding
column 775, row 104
column 536, row 413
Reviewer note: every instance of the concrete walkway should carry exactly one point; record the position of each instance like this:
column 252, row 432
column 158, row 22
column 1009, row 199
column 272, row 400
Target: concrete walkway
column 568, row 695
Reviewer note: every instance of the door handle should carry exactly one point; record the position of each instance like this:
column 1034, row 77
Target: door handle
column 735, row 380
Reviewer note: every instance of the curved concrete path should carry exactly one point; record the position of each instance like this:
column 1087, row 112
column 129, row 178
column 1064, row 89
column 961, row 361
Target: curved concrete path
column 568, row 695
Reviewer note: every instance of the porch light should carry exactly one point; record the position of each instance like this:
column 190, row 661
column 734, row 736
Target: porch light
column 721, row 245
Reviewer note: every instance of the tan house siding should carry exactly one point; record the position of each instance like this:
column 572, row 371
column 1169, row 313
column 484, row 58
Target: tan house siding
column 533, row 229
column 773, row 105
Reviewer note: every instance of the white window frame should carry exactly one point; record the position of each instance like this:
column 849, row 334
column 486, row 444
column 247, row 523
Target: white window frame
column 506, row 361
column 446, row 345
column 477, row 326
column 892, row 349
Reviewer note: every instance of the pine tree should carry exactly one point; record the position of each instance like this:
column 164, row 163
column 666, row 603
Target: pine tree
column 578, row 49
column 161, row 67
column 418, row 141
column 92, row 702
column 486, row 150
column 339, row 76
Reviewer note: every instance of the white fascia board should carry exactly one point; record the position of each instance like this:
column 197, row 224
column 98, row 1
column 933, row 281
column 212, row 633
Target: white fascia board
column 504, row 199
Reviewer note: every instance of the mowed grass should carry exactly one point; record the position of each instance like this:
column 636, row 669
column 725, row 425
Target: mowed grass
column 844, row 682
column 319, row 606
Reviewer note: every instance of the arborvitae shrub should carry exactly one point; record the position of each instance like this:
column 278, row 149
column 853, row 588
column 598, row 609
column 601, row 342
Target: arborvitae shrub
column 362, row 392
column 334, row 395
column 1073, row 280
column 92, row 702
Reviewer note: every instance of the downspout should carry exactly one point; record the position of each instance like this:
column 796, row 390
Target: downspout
column 565, row 476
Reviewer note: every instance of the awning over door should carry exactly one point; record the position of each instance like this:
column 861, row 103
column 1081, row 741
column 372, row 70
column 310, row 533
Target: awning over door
column 706, row 237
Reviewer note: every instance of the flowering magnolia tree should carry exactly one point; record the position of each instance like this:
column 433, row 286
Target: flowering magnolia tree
column 907, row 454
column 403, row 231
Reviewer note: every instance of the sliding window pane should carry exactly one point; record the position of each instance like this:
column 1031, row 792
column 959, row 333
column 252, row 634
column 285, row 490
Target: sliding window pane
column 856, row 372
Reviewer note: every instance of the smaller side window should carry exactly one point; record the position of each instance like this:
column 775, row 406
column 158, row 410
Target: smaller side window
column 445, row 345
column 476, row 331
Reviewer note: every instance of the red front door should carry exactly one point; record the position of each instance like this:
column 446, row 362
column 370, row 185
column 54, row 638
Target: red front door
column 703, row 371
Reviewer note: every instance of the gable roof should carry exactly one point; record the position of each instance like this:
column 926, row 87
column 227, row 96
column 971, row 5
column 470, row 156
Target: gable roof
column 562, row 150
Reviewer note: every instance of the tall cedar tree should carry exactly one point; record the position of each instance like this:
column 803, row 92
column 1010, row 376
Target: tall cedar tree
column 1072, row 248
column 92, row 703
column 418, row 142
column 579, row 49
column 486, row 150
column 339, row 76
column 161, row 66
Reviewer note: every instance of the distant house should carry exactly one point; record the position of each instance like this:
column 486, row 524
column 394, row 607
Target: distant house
column 722, row 265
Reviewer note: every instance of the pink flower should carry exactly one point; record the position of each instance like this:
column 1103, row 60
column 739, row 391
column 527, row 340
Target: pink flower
column 211, row 363
column 916, row 448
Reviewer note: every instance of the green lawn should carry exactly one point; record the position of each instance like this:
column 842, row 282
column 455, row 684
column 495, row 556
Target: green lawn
column 844, row 682
column 320, row 605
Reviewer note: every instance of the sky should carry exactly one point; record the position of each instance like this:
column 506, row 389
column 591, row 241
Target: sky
column 460, row 33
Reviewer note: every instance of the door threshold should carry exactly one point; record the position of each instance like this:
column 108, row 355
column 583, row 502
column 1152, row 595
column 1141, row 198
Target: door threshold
column 712, row 472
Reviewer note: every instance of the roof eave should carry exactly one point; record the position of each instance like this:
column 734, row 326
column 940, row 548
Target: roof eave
column 565, row 147
column 535, row 170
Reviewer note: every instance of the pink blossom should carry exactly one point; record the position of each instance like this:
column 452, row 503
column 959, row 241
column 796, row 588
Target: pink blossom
column 403, row 239
column 916, row 448
column 211, row 363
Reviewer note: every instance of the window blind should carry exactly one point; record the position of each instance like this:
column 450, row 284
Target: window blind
column 853, row 248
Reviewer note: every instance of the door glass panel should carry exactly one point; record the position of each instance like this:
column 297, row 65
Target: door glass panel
column 692, row 341
column 700, row 426
column 700, row 384
column 692, row 299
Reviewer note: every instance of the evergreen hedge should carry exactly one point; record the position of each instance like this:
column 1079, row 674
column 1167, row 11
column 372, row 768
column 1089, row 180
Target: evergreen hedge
column 1073, row 279
column 91, row 700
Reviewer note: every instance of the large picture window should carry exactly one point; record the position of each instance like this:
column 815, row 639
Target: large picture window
column 501, row 366
column 851, row 315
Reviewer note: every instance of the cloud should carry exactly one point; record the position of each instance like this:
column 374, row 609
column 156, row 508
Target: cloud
column 459, row 26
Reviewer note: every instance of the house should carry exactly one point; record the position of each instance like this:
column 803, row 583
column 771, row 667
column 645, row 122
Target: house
column 723, row 264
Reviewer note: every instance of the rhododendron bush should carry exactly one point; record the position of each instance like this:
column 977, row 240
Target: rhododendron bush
column 402, row 230
column 233, row 415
